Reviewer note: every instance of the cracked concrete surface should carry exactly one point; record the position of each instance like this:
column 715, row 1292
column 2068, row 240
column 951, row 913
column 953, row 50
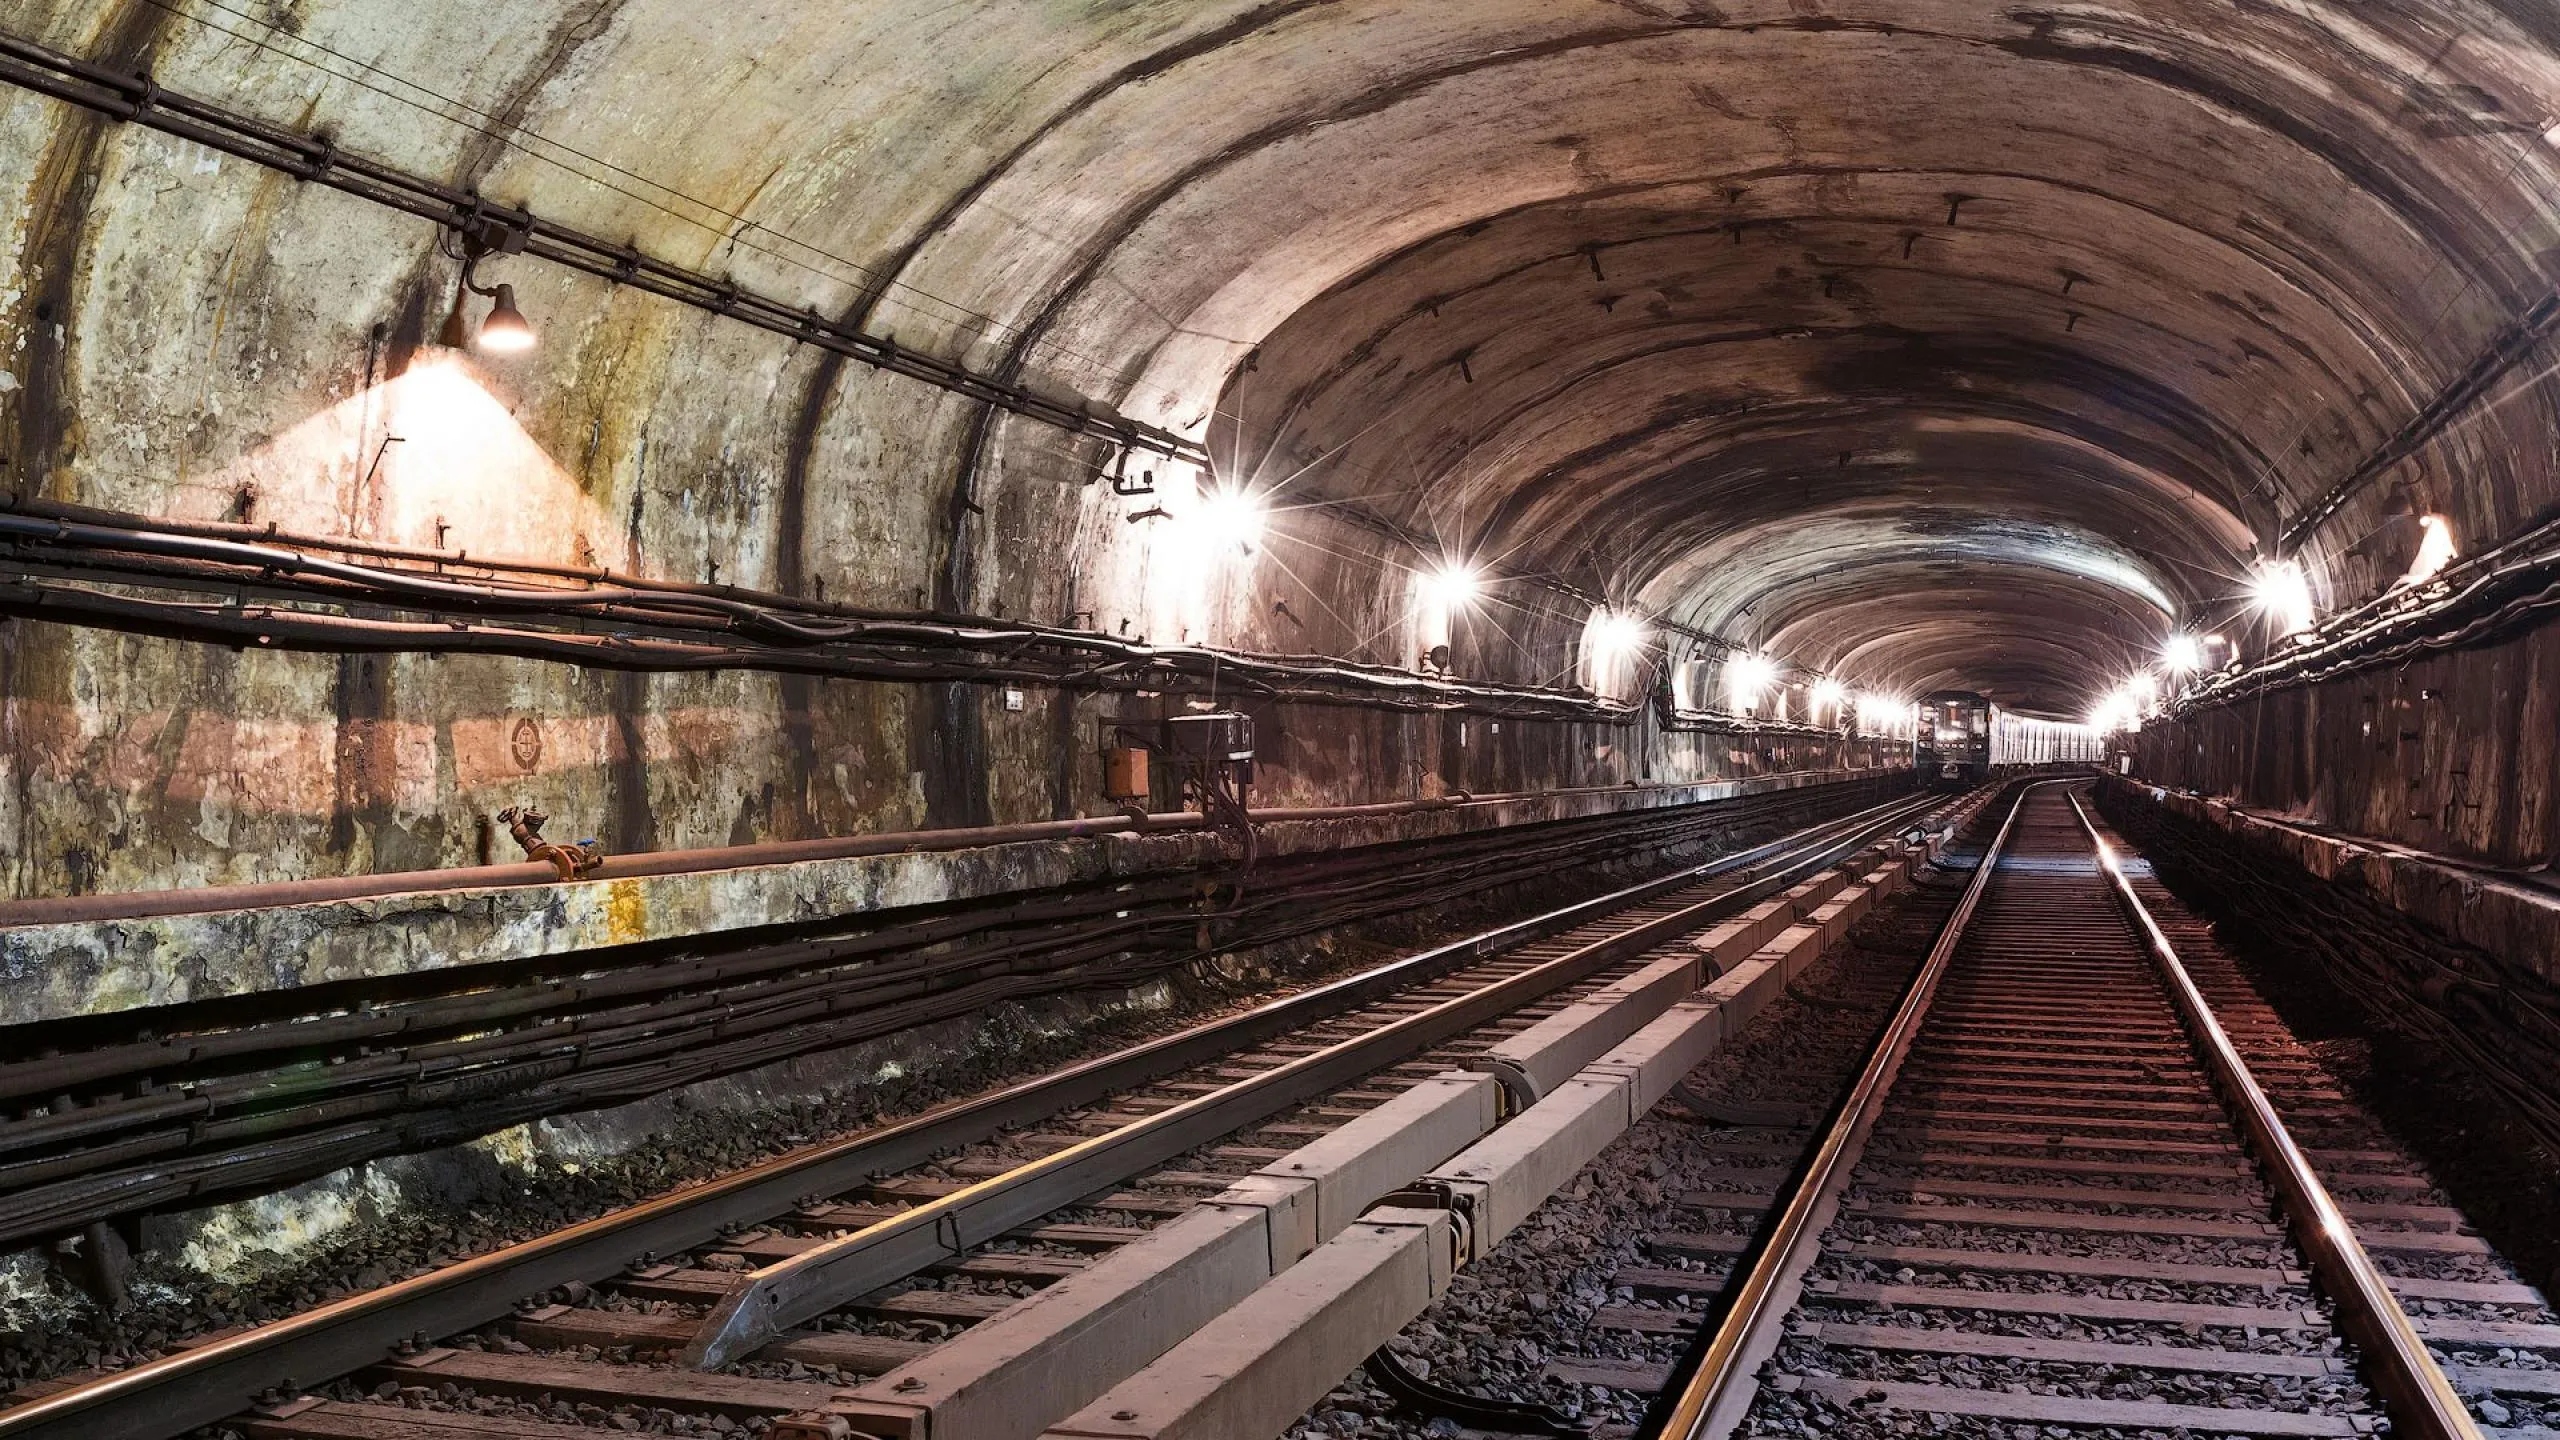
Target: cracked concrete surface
column 1926, row 342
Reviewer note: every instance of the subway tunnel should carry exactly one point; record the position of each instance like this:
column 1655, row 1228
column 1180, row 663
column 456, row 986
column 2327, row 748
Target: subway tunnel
column 599, row 597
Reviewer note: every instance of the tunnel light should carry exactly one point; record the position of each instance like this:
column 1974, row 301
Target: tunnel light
column 2112, row 713
column 1453, row 586
column 2283, row 591
column 1881, row 714
column 506, row 331
column 1227, row 517
column 2435, row 550
column 1746, row 676
column 1614, row 634
column 1828, row 698
column 2182, row 655
column 2124, row 707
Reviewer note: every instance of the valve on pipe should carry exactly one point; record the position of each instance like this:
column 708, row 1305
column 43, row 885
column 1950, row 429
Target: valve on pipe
column 574, row 862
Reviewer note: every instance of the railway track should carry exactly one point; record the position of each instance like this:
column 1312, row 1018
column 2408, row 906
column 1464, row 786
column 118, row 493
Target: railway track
column 2088, row 1180
column 789, row 1284
column 109, row 1117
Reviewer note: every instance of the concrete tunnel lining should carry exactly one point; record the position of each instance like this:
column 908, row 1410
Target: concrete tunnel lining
column 1897, row 345
column 1604, row 291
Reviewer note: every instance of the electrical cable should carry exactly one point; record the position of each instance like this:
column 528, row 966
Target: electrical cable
column 72, row 568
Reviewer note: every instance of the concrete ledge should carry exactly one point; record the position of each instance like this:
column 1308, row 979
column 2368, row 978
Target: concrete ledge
column 2515, row 921
column 1599, row 1064
column 1253, row 1370
column 1743, row 990
column 1355, row 1166
column 1809, row 896
column 1550, row 1051
column 1796, row 947
column 1651, row 1064
column 1738, row 939
column 1063, row 1347
column 1845, row 909
column 1889, row 880
column 48, row 971
column 1068, row 1342
column 1511, row 1172
column 1288, row 1206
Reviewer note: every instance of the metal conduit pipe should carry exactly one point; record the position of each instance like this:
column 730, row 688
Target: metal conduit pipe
column 142, row 904
column 2477, row 600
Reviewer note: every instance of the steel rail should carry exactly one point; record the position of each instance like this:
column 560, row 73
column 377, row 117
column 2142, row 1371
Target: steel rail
column 179, row 1392
column 622, row 1034
column 2415, row 1393
column 1724, row 1381
column 771, row 1299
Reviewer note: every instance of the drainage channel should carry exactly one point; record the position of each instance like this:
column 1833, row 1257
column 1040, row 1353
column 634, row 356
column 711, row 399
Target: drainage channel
column 789, row 1284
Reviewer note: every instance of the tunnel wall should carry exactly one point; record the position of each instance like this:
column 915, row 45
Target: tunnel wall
column 297, row 388
column 1130, row 202
column 2456, row 754
column 2467, row 960
column 193, row 337
column 130, row 763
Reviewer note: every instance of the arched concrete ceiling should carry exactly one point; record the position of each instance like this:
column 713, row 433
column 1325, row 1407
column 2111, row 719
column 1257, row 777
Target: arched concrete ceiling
column 1932, row 341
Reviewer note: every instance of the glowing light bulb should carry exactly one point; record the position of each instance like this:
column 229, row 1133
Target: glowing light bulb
column 1747, row 676
column 1614, row 634
column 2283, row 591
column 2182, row 655
column 506, row 331
column 1454, row 586
column 1227, row 518
column 2123, row 707
column 1828, row 694
column 1881, row 713
column 2435, row 550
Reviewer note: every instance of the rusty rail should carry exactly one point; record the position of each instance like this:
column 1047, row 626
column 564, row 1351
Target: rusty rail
column 1721, row 1387
column 2421, row 1401
column 181, row 1391
column 1718, row 1393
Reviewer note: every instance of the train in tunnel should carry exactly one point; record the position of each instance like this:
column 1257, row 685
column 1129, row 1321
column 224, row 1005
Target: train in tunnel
column 1961, row 738
column 1951, row 741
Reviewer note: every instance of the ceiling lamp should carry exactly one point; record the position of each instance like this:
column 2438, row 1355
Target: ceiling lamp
column 1827, row 697
column 2283, row 591
column 506, row 331
column 1453, row 586
column 1227, row 518
column 1613, row 634
column 1746, row 676
column 2435, row 550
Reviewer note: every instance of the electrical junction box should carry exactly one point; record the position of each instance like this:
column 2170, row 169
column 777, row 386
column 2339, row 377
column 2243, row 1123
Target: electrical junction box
column 1124, row 773
column 1213, row 739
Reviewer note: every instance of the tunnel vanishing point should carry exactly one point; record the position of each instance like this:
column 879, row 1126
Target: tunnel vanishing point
column 594, row 591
